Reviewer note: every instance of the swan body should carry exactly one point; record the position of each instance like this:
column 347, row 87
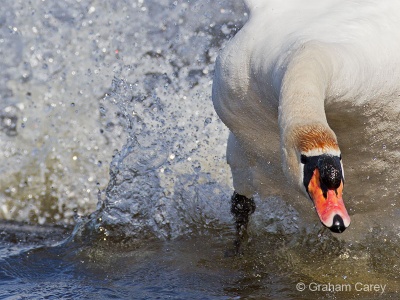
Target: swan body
column 296, row 71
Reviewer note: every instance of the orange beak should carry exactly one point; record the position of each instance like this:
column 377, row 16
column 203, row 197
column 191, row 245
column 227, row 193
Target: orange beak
column 329, row 204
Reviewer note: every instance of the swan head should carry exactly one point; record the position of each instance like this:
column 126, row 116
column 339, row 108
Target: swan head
column 323, row 181
column 317, row 163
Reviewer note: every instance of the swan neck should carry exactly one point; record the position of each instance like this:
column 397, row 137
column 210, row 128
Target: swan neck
column 302, row 119
column 303, row 88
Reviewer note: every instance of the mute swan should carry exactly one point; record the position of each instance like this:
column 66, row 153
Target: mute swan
column 275, row 82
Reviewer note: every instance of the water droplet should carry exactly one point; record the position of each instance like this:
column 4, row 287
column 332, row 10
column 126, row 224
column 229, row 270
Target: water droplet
column 207, row 121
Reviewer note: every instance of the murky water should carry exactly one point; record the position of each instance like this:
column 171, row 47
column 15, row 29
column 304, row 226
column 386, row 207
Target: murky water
column 113, row 167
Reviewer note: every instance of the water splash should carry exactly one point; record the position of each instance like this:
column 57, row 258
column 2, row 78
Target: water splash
column 162, row 182
column 58, row 132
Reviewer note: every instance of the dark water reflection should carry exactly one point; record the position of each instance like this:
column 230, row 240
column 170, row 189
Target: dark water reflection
column 273, row 267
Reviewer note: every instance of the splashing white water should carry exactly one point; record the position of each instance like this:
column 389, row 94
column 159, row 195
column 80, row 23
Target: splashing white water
column 59, row 131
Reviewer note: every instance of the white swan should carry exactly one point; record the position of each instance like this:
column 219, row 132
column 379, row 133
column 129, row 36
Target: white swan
column 293, row 64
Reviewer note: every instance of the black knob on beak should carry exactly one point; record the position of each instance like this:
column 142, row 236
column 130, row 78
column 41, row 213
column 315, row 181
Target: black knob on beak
column 338, row 225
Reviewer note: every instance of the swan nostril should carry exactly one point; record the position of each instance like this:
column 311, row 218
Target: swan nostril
column 338, row 224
